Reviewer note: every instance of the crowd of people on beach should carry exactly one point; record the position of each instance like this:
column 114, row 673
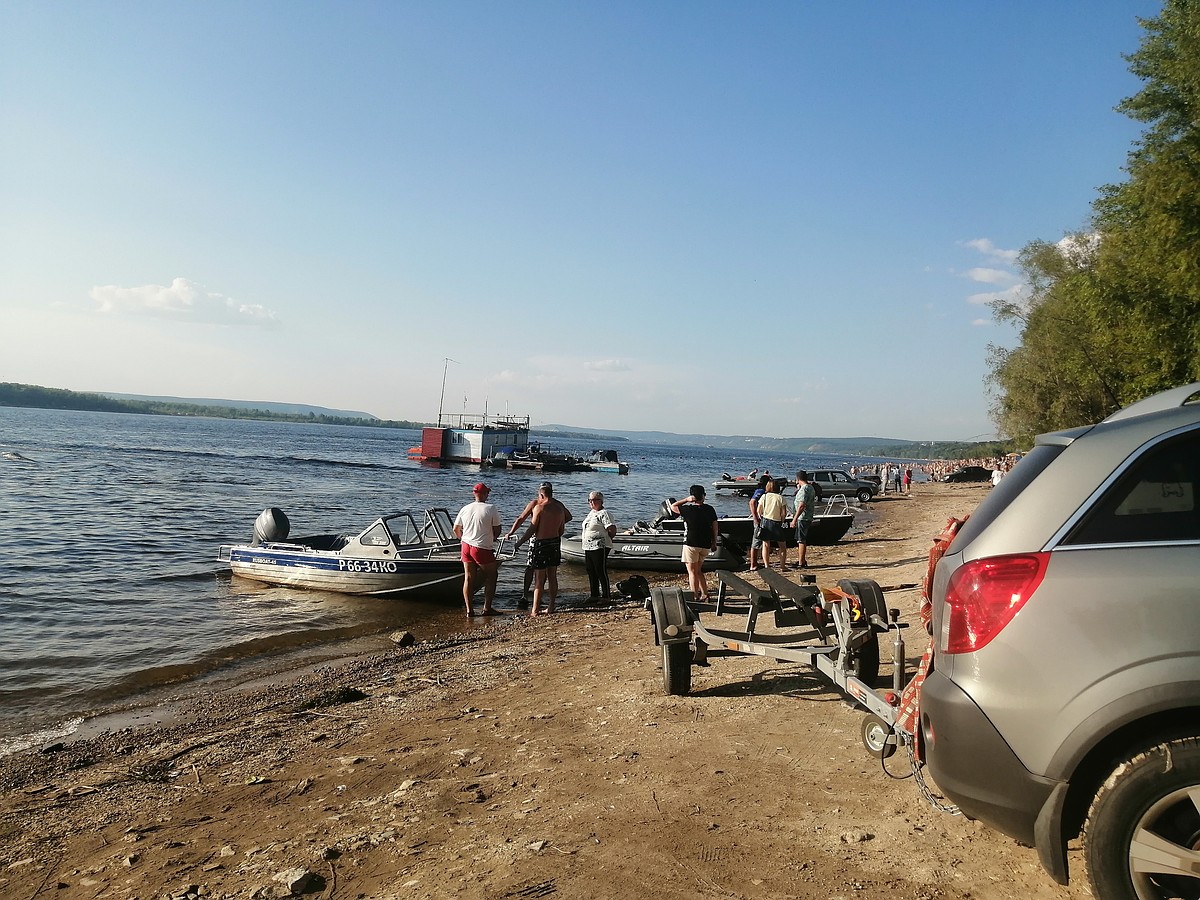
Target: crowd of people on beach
column 478, row 527
column 935, row 470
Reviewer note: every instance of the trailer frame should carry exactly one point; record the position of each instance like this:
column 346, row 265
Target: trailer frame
column 845, row 621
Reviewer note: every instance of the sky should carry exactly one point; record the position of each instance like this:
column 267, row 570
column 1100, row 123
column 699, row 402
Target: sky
column 767, row 218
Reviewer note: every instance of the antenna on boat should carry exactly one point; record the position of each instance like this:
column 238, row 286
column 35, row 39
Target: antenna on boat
column 442, row 398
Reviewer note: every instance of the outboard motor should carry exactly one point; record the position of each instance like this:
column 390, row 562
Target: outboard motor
column 271, row 525
column 665, row 512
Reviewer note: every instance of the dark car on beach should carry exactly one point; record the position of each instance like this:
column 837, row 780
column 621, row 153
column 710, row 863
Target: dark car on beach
column 968, row 474
column 832, row 482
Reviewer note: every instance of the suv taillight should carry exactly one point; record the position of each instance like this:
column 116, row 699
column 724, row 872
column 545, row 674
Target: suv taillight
column 985, row 594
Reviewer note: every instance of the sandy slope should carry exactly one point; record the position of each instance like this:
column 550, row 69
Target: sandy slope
column 528, row 758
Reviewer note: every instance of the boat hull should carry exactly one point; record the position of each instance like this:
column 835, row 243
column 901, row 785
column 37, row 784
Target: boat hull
column 825, row 529
column 747, row 486
column 653, row 553
column 611, row 468
column 347, row 575
column 404, row 552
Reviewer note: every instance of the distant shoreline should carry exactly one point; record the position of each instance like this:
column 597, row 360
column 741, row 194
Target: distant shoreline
column 36, row 397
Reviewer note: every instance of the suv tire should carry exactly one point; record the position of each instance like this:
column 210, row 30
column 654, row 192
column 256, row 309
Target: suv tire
column 1146, row 809
column 864, row 495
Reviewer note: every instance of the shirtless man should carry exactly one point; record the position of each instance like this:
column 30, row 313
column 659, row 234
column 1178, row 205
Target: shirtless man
column 550, row 520
column 533, row 504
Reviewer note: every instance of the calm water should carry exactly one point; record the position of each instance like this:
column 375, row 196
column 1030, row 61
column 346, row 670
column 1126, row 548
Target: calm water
column 110, row 523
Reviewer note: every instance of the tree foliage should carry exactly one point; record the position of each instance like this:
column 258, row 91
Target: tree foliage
column 1114, row 315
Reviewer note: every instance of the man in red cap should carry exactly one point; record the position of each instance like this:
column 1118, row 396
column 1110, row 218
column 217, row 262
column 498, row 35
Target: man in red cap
column 477, row 527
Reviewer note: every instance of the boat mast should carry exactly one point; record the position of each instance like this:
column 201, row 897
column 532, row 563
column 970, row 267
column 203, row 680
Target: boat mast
column 442, row 398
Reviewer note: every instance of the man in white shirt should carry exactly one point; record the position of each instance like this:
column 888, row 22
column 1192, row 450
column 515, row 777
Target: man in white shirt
column 477, row 526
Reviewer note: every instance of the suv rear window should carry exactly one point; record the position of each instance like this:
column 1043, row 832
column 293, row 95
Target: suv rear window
column 1153, row 500
column 1029, row 468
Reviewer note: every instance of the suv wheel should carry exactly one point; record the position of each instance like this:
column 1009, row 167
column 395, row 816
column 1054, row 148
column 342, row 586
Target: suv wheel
column 1142, row 837
column 864, row 495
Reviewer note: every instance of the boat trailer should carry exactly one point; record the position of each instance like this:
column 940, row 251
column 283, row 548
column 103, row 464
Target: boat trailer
column 834, row 630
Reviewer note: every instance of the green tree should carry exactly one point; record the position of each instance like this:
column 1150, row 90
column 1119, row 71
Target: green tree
column 1114, row 315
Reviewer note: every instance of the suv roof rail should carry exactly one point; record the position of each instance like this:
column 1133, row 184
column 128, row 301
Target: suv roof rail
column 1170, row 399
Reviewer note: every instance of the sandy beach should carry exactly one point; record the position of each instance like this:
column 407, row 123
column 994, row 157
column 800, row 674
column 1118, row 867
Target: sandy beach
column 523, row 758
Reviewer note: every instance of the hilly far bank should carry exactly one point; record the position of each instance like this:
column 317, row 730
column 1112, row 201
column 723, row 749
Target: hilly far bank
column 34, row 396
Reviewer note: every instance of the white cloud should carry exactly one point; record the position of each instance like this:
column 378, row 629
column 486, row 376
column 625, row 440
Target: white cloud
column 992, row 252
column 1078, row 249
column 1000, row 274
column 991, row 276
column 182, row 301
column 607, row 365
column 1015, row 294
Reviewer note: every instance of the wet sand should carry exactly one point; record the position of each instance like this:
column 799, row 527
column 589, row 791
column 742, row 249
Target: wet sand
column 519, row 758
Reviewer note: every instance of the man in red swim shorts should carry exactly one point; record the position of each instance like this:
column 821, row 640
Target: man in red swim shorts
column 477, row 526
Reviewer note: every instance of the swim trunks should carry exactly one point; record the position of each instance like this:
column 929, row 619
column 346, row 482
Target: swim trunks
column 546, row 553
column 478, row 555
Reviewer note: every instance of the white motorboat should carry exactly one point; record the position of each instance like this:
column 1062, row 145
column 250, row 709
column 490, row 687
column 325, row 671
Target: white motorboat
column 406, row 551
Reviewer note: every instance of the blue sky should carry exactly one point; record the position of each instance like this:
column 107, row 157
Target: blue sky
column 735, row 218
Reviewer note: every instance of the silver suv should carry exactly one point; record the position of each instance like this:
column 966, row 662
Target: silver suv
column 1065, row 692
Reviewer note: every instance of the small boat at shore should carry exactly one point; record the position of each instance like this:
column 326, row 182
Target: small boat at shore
column 647, row 549
column 828, row 525
column 747, row 484
column 534, row 457
column 407, row 551
column 605, row 461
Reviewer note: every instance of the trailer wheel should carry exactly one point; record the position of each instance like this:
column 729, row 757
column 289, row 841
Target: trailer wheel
column 869, row 594
column 677, row 668
column 875, row 734
column 864, row 660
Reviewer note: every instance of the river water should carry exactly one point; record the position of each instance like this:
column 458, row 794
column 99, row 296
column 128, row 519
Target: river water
column 110, row 524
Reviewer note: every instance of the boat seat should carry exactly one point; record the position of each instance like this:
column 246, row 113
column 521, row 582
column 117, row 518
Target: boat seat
column 325, row 542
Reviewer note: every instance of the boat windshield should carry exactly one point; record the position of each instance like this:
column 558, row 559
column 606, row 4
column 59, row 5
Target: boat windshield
column 375, row 536
column 432, row 526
